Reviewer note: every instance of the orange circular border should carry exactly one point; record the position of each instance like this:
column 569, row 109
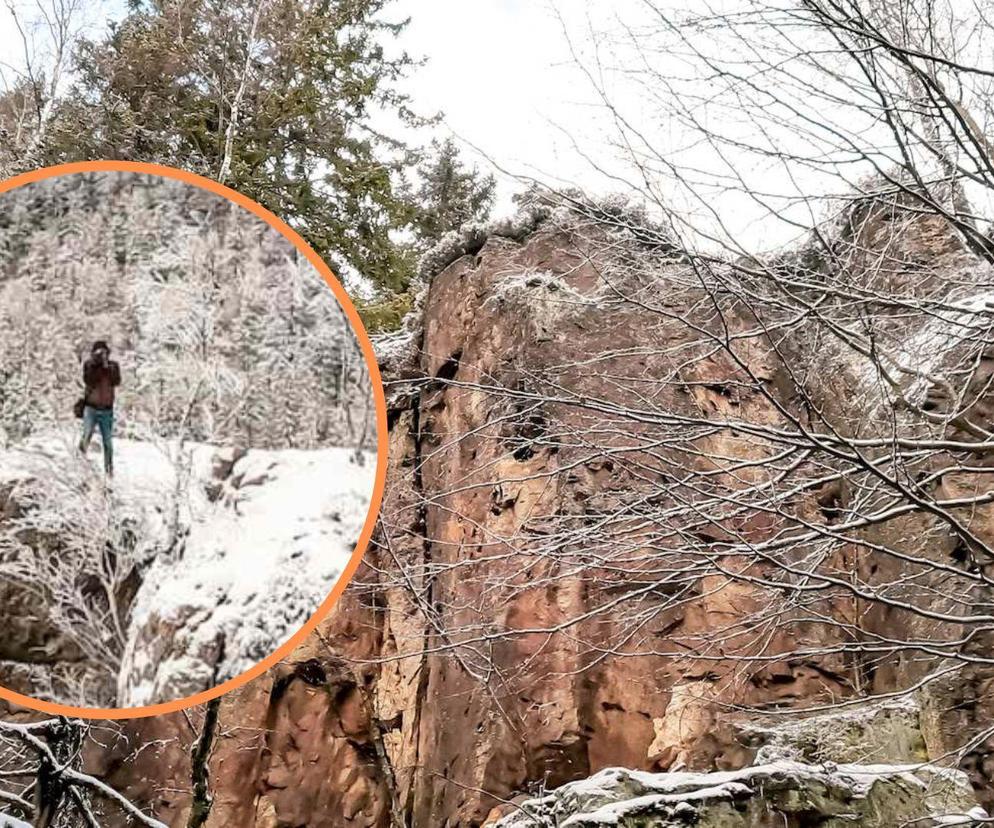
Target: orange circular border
column 381, row 427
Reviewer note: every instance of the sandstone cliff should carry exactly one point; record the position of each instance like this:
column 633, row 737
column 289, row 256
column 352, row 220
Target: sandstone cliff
column 580, row 566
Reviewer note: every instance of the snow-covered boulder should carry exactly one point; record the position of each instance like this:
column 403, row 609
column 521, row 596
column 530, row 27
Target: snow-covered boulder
column 782, row 793
column 860, row 766
column 886, row 732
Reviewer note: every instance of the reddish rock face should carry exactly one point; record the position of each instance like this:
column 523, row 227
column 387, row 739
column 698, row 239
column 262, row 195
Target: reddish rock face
column 293, row 747
column 518, row 623
column 527, row 537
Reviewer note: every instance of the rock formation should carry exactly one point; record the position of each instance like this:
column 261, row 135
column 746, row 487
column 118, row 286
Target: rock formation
column 787, row 793
column 522, row 622
column 860, row 766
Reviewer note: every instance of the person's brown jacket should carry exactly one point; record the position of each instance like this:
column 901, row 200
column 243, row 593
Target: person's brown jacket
column 100, row 379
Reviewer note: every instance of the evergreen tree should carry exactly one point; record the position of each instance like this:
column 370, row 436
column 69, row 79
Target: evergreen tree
column 274, row 97
column 449, row 193
column 283, row 100
column 225, row 333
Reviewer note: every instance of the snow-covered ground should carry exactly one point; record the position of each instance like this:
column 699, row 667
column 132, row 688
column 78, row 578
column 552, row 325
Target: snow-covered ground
column 239, row 551
column 256, row 564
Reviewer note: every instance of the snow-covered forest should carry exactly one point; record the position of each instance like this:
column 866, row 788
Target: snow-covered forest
column 224, row 332
column 244, row 439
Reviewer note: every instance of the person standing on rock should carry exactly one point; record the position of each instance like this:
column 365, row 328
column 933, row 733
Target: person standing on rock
column 101, row 375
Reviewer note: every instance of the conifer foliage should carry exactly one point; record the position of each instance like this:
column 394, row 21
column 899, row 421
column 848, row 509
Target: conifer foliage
column 450, row 193
column 275, row 98
column 298, row 104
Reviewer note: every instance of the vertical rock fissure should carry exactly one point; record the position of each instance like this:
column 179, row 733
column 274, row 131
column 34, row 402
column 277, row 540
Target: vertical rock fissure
column 427, row 602
column 397, row 819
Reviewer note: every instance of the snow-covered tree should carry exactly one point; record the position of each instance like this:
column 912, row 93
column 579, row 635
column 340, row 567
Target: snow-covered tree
column 224, row 332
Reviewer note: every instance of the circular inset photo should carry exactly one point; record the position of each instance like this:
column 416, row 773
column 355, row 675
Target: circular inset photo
column 192, row 439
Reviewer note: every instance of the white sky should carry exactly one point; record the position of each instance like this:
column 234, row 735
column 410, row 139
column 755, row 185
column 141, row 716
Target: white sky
column 501, row 72
column 11, row 43
column 504, row 74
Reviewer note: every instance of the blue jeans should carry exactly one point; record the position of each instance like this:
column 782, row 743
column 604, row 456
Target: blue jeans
column 104, row 419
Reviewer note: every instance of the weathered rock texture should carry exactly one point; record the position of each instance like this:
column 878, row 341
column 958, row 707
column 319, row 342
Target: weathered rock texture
column 860, row 766
column 485, row 651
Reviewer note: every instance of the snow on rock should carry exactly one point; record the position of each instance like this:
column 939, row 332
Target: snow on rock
column 544, row 298
column 918, row 350
column 235, row 549
column 398, row 353
column 254, row 566
column 861, row 796
column 886, row 732
column 951, row 333
column 144, row 473
column 54, row 500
